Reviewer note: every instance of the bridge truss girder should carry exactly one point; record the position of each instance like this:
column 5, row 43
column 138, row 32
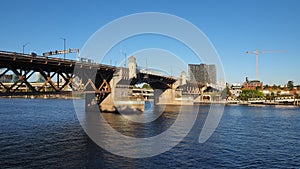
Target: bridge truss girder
column 87, row 83
column 49, row 86
column 91, row 78
column 95, row 81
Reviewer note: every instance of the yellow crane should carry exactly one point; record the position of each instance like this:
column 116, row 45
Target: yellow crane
column 256, row 52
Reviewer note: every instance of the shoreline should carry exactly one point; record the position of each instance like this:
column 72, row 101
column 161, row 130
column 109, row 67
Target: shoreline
column 67, row 97
column 264, row 105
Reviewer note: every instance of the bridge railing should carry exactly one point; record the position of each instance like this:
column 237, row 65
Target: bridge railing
column 33, row 55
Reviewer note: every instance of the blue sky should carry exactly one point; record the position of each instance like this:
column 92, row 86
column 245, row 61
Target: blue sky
column 232, row 26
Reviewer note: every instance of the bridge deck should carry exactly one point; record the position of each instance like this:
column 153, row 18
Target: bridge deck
column 29, row 62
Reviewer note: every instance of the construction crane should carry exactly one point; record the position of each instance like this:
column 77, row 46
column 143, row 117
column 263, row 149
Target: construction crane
column 58, row 52
column 256, row 52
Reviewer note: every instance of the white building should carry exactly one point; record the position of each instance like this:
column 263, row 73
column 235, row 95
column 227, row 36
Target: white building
column 236, row 89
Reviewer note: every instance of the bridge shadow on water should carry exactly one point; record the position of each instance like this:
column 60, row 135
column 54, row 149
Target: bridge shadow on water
column 100, row 157
column 155, row 119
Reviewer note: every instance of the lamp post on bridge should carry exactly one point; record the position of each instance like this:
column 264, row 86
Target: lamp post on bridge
column 64, row 39
column 24, row 47
column 121, row 57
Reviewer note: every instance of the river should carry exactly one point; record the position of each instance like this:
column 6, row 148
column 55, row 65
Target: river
column 45, row 133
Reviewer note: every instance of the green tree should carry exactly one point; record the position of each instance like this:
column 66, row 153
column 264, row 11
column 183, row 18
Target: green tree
column 290, row 85
column 146, row 86
column 246, row 94
column 274, row 87
column 272, row 96
column 225, row 93
column 266, row 87
column 297, row 96
column 268, row 97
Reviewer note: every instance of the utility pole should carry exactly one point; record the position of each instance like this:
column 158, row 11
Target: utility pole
column 24, row 47
column 146, row 64
column 64, row 39
column 125, row 59
column 121, row 52
column 121, row 56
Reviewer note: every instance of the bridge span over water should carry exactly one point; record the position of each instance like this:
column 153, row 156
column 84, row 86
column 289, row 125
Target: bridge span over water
column 101, row 83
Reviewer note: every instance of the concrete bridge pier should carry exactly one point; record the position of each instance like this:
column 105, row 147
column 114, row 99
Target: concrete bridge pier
column 108, row 103
column 166, row 96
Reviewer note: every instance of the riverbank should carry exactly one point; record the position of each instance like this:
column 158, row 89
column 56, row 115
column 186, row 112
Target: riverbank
column 229, row 103
column 264, row 105
column 245, row 103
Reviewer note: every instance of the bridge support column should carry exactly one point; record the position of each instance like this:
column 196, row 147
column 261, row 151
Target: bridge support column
column 108, row 103
column 164, row 97
column 157, row 94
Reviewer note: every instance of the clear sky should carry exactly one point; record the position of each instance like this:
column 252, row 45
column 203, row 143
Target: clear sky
column 233, row 26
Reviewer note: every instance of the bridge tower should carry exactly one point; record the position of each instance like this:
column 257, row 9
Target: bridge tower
column 132, row 67
column 183, row 78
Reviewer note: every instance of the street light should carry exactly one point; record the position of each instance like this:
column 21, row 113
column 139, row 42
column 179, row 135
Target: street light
column 24, row 47
column 64, row 46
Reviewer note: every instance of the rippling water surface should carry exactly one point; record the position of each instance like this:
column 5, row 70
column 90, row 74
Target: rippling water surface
column 39, row 133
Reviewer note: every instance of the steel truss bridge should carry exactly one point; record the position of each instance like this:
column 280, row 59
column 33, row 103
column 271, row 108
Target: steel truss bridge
column 24, row 66
column 60, row 76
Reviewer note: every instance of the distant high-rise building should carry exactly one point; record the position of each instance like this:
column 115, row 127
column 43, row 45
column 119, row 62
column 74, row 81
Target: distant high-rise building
column 194, row 72
column 203, row 73
column 212, row 73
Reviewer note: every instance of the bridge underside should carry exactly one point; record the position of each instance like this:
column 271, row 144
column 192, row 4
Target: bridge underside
column 155, row 81
column 24, row 68
column 95, row 82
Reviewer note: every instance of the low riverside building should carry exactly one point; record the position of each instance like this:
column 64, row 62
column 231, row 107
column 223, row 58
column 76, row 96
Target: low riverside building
column 236, row 89
column 252, row 84
column 6, row 78
column 266, row 92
